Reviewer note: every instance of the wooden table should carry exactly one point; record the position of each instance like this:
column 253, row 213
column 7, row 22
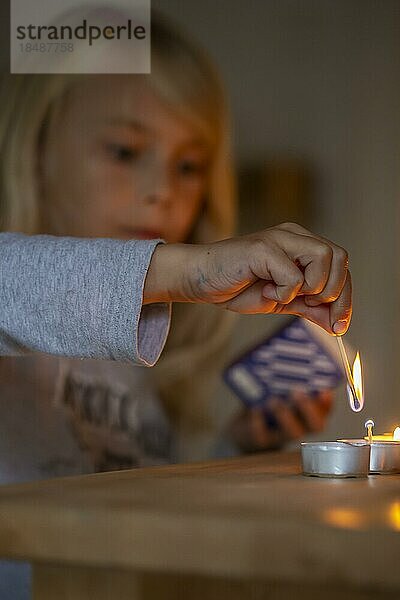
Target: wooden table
column 250, row 528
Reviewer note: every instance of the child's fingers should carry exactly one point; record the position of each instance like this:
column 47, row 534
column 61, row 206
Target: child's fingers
column 311, row 412
column 262, row 437
column 336, row 259
column 317, row 314
column 251, row 300
column 249, row 430
column 291, row 426
column 336, row 279
column 287, row 278
column 341, row 309
column 325, row 400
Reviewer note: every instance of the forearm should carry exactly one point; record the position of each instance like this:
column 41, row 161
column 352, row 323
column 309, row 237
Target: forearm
column 172, row 273
column 78, row 297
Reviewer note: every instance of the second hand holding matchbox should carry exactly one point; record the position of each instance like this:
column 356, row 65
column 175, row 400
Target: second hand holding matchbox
column 299, row 357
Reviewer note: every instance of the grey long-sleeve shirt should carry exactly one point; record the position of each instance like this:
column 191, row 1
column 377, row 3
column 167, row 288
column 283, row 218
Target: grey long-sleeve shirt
column 79, row 298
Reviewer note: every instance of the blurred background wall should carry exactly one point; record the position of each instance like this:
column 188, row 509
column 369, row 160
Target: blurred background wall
column 315, row 85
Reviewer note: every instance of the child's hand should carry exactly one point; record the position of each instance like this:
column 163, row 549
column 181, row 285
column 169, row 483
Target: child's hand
column 295, row 419
column 284, row 269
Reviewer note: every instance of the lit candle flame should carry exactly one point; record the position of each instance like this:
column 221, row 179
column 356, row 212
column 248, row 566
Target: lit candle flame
column 357, row 403
column 396, row 434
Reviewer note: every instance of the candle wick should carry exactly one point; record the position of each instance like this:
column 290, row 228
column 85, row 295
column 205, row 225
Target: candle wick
column 369, row 425
column 370, row 433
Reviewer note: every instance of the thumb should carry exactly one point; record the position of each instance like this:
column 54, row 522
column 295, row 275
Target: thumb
column 316, row 314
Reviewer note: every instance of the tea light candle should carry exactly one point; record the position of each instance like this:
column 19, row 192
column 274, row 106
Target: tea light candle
column 385, row 450
column 385, row 456
column 385, row 453
column 336, row 459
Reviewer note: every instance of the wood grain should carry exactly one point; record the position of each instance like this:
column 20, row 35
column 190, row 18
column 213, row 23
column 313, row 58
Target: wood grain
column 87, row 583
column 253, row 518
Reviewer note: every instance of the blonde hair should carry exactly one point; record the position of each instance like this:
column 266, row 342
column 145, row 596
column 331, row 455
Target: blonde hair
column 181, row 74
column 184, row 77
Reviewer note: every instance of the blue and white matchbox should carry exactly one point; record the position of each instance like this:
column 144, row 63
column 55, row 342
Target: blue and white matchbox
column 299, row 357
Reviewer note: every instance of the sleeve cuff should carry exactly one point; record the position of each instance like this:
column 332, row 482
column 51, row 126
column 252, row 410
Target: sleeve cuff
column 153, row 328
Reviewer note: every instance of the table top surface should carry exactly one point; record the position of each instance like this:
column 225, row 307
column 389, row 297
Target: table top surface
column 255, row 516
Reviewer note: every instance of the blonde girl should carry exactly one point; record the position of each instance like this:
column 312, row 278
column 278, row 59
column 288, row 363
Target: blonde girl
column 127, row 156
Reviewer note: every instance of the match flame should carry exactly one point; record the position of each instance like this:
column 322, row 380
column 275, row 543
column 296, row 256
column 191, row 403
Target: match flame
column 357, row 403
column 396, row 434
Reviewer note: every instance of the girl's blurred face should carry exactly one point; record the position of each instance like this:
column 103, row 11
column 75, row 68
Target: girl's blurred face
column 118, row 162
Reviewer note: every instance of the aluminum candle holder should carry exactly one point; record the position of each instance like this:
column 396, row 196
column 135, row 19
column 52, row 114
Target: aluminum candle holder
column 385, row 455
column 336, row 459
